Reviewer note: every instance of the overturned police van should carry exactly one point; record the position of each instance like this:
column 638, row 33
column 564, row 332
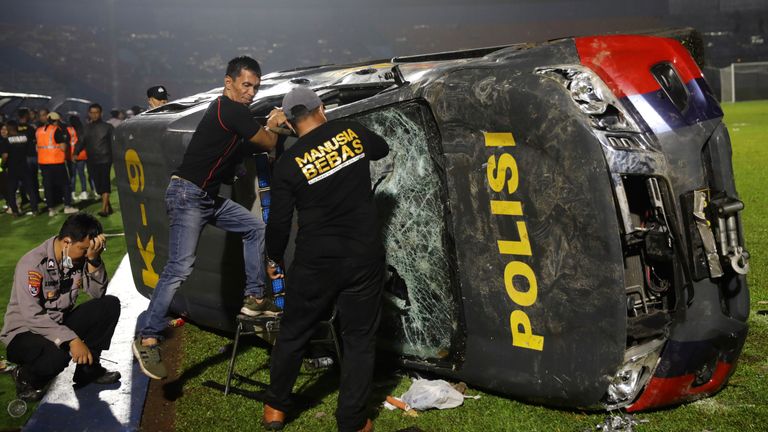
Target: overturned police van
column 560, row 220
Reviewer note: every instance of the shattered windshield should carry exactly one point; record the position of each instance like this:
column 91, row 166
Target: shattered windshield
column 420, row 315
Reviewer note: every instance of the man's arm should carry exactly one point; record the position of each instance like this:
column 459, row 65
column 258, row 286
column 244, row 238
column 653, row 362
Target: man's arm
column 61, row 136
column 80, row 145
column 265, row 138
column 28, row 293
column 280, row 214
column 94, row 273
column 375, row 146
column 3, row 151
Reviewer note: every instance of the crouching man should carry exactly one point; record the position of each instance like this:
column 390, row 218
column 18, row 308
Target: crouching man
column 43, row 329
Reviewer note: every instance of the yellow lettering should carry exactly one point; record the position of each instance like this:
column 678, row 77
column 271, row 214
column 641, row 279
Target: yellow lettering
column 316, row 154
column 148, row 274
column 497, row 176
column 518, row 268
column 506, row 208
column 135, row 170
column 351, row 134
column 358, row 146
column 341, row 138
column 499, row 139
column 309, row 171
column 333, row 159
column 522, row 334
column 329, row 146
column 346, row 153
column 143, row 214
column 321, row 165
column 303, row 161
column 517, row 247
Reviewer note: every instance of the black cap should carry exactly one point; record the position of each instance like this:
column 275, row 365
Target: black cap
column 157, row 92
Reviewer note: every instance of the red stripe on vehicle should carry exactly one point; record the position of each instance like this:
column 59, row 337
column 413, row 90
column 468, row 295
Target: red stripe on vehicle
column 218, row 162
column 624, row 62
column 218, row 113
column 669, row 391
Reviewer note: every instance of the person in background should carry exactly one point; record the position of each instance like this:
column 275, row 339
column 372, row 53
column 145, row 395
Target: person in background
column 43, row 329
column 97, row 142
column 4, row 170
column 52, row 148
column 114, row 118
column 42, row 117
column 26, row 127
column 76, row 163
column 13, row 151
column 157, row 96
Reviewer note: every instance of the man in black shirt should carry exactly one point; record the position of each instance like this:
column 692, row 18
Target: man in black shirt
column 192, row 202
column 27, row 129
column 339, row 258
column 14, row 156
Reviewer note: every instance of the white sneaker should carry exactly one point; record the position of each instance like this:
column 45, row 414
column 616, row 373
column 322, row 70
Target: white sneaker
column 84, row 195
column 74, row 196
column 52, row 212
column 70, row 210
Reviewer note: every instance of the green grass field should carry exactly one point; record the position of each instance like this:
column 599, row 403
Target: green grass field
column 741, row 406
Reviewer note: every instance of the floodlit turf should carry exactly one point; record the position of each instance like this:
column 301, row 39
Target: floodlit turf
column 18, row 236
column 741, row 406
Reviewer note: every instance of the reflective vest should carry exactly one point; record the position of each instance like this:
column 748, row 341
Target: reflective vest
column 49, row 152
column 72, row 141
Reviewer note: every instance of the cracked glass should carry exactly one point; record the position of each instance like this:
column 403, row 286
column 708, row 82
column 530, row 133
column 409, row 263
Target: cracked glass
column 420, row 311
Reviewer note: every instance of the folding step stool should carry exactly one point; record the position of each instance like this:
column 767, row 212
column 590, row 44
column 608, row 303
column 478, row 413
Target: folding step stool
column 267, row 328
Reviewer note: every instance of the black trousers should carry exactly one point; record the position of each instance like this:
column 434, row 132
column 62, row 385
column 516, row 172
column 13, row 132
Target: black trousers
column 40, row 360
column 20, row 175
column 56, row 184
column 32, row 169
column 312, row 288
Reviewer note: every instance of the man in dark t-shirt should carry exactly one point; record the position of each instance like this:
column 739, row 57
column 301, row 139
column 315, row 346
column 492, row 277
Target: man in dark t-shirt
column 27, row 129
column 14, row 155
column 192, row 202
column 338, row 260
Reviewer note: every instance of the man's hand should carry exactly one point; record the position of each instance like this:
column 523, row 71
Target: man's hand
column 80, row 352
column 276, row 117
column 98, row 244
column 93, row 254
column 273, row 274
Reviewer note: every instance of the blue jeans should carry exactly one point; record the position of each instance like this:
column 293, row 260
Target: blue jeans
column 77, row 169
column 190, row 209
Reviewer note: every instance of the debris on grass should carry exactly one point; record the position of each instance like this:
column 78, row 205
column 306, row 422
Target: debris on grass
column 619, row 422
column 393, row 403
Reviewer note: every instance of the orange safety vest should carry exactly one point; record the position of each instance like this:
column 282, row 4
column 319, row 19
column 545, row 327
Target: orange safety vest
column 49, row 152
column 72, row 141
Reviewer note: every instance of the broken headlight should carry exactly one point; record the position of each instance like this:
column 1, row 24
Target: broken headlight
column 640, row 362
column 592, row 96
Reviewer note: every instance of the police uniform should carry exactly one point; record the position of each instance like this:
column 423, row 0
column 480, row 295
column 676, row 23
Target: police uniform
column 42, row 318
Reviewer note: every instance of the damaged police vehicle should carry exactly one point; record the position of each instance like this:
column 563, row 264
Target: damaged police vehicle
column 560, row 220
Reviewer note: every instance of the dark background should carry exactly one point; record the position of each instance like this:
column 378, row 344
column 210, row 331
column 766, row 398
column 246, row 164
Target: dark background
column 111, row 51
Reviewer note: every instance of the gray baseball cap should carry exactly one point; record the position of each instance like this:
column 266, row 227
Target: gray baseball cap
column 300, row 100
